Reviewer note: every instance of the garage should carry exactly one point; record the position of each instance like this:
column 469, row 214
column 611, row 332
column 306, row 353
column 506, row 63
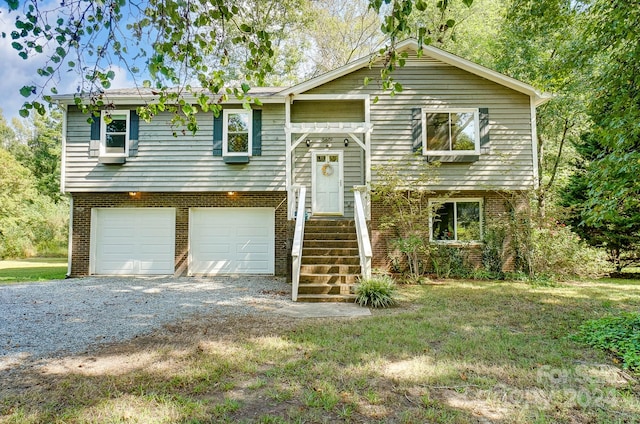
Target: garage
column 231, row 241
column 132, row 241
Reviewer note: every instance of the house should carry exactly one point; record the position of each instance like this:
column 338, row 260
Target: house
column 225, row 200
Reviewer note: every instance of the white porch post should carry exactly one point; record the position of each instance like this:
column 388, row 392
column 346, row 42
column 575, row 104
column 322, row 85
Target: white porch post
column 367, row 150
column 287, row 130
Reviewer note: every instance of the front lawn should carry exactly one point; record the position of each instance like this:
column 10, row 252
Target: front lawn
column 456, row 352
column 32, row 269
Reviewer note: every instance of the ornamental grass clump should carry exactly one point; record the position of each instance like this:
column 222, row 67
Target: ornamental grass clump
column 378, row 291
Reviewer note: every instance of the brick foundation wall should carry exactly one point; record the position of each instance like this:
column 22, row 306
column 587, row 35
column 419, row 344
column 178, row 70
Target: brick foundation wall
column 84, row 202
column 495, row 206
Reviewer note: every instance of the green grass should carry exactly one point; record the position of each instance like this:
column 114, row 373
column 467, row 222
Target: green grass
column 32, row 269
column 456, row 352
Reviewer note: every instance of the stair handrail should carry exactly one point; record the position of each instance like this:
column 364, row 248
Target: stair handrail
column 364, row 243
column 294, row 191
column 298, row 238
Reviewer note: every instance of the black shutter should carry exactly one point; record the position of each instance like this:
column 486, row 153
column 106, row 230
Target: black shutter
column 95, row 127
column 134, row 129
column 94, row 142
column 217, row 135
column 484, row 126
column 416, row 129
column 257, row 133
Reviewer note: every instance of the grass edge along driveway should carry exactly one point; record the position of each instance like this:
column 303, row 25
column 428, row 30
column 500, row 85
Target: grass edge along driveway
column 32, row 269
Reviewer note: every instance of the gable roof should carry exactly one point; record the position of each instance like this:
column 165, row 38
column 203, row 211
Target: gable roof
column 278, row 95
column 434, row 52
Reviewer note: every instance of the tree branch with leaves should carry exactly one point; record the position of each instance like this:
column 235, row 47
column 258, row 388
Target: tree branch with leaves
column 178, row 48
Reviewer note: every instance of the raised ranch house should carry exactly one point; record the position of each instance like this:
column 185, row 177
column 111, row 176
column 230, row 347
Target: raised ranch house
column 232, row 198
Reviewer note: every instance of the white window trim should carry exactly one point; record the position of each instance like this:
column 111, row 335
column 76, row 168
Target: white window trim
column 476, row 119
column 225, row 132
column 103, row 133
column 434, row 203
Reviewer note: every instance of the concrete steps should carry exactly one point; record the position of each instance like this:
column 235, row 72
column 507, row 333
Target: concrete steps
column 330, row 261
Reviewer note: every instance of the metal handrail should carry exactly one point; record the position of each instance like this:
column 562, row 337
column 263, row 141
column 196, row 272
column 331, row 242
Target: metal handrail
column 298, row 238
column 364, row 243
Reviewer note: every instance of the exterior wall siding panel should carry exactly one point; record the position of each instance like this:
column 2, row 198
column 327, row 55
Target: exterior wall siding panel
column 181, row 163
column 508, row 163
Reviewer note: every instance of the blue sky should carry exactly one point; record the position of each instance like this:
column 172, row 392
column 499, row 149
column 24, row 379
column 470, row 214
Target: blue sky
column 16, row 72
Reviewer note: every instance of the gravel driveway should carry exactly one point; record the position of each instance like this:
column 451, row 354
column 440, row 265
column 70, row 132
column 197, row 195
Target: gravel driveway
column 67, row 316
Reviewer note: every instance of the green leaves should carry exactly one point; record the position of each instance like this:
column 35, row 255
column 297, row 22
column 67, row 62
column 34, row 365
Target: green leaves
column 619, row 335
column 378, row 292
column 27, row 90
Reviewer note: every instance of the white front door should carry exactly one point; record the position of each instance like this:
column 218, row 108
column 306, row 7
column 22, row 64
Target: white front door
column 326, row 180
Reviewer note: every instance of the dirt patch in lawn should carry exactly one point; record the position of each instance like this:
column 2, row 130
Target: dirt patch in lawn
column 276, row 369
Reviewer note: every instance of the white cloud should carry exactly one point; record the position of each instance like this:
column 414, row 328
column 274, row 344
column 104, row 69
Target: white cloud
column 16, row 72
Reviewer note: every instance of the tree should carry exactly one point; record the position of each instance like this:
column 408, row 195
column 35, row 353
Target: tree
column 618, row 233
column 342, row 31
column 407, row 209
column 38, row 148
column 30, row 222
column 537, row 44
column 176, row 43
column 604, row 192
column 7, row 134
column 16, row 192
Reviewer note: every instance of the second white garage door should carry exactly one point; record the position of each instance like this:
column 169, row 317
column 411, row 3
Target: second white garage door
column 231, row 240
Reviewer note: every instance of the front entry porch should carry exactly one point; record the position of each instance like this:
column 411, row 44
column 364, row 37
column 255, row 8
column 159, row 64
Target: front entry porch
column 328, row 151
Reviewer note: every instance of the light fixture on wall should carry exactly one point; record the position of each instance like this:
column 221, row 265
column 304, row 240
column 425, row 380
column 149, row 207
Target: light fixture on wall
column 346, row 142
column 308, row 143
column 134, row 194
column 231, row 193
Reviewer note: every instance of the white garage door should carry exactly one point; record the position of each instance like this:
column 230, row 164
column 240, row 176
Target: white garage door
column 133, row 241
column 231, row 240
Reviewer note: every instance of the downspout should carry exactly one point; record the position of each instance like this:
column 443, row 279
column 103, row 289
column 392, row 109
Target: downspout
column 63, row 164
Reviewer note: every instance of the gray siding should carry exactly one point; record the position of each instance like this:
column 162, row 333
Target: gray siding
column 353, row 157
column 327, row 111
column 176, row 164
column 185, row 163
column 509, row 161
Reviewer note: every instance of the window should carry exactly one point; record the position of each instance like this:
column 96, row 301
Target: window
column 450, row 132
column 237, row 132
column 114, row 136
column 456, row 220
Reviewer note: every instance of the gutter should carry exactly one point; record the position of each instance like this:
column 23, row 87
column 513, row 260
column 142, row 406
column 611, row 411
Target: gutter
column 143, row 99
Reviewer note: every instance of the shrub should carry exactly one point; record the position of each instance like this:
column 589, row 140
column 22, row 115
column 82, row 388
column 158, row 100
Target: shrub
column 414, row 248
column 617, row 334
column 493, row 251
column 558, row 251
column 449, row 261
column 377, row 291
column 541, row 250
